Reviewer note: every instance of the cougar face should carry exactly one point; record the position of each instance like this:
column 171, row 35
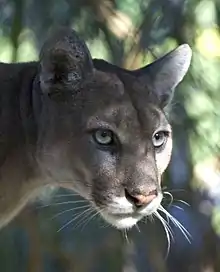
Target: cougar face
column 102, row 130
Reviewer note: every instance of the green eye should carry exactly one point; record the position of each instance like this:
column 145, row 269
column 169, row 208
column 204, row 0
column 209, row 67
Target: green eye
column 103, row 137
column 159, row 139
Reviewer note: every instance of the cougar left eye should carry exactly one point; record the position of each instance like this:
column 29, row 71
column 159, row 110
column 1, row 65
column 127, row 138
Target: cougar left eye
column 103, row 137
column 159, row 138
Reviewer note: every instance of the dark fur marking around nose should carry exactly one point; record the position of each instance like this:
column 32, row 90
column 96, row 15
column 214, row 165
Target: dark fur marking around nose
column 140, row 200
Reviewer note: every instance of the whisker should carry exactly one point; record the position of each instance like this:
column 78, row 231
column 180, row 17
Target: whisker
column 168, row 220
column 176, row 200
column 74, row 219
column 62, row 203
column 183, row 202
column 63, row 195
column 170, row 195
column 69, row 210
column 137, row 227
column 167, row 230
column 125, row 234
column 88, row 219
column 176, row 206
column 183, row 230
column 84, row 218
column 173, row 190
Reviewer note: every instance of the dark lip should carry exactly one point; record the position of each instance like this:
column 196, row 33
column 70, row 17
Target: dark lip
column 123, row 215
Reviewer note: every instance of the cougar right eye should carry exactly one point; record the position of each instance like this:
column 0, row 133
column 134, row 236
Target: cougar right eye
column 159, row 139
column 103, row 137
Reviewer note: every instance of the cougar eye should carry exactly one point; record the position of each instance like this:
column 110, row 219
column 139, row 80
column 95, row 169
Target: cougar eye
column 103, row 137
column 159, row 138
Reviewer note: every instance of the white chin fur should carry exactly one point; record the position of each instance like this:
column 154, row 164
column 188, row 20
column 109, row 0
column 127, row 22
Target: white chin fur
column 121, row 223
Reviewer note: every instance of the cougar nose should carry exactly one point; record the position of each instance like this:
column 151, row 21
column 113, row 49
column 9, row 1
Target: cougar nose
column 140, row 200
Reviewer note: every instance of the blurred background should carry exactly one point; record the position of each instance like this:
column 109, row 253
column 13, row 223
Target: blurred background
column 129, row 33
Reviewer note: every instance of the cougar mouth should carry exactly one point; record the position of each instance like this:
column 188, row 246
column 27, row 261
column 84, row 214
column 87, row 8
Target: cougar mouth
column 125, row 216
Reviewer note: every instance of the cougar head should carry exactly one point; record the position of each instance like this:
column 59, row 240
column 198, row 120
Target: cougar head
column 103, row 131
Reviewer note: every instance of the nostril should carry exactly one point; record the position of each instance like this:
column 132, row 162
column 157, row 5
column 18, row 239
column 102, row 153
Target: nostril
column 140, row 200
column 132, row 198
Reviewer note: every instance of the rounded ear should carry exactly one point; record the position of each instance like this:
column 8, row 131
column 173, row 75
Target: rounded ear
column 161, row 76
column 64, row 61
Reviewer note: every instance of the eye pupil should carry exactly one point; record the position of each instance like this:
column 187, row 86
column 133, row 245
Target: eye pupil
column 157, row 136
column 104, row 134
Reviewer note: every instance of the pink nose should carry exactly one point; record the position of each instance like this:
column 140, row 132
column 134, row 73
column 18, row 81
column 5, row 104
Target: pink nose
column 140, row 200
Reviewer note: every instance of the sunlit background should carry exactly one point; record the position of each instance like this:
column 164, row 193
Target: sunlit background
column 129, row 33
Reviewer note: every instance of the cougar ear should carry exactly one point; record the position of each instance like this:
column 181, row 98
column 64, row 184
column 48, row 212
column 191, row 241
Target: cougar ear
column 166, row 73
column 64, row 61
column 161, row 76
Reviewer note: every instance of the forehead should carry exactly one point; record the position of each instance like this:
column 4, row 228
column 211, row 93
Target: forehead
column 111, row 101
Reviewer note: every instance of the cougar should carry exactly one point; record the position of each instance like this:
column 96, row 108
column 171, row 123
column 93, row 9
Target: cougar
column 89, row 126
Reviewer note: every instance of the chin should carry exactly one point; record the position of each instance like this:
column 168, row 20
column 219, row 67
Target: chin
column 119, row 222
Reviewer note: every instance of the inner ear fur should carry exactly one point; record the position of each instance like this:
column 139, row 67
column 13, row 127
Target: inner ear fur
column 64, row 60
